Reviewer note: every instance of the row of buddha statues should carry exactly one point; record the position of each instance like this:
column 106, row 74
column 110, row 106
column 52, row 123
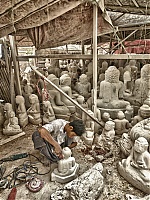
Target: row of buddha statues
column 123, row 110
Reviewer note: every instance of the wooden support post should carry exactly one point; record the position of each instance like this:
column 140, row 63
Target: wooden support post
column 16, row 64
column 6, row 55
column 83, row 52
column 95, row 10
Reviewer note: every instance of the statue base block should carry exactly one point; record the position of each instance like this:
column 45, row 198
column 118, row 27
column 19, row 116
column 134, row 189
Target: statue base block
column 65, row 179
column 133, row 176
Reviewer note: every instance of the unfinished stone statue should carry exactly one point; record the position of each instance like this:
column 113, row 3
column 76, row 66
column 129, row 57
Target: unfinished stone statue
column 67, row 168
column 26, row 92
column 143, row 113
column 84, row 86
column 142, row 85
column 89, row 72
column 125, row 144
column 34, row 111
column 121, row 124
column 111, row 93
column 60, row 109
column 21, row 111
column 130, row 76
column 88, row 136
column 12, row 128
column 53, row 68
column 129, row 113
column 86, row 187
column 48, row 112
column 104, row 141
column 141, row 129
column 7, row 109
column 136, row 168
column 1, row 118
column 65, row 85
column 104, row 66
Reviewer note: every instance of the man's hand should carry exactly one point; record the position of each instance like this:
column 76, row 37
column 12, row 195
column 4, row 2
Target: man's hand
column 58, row 151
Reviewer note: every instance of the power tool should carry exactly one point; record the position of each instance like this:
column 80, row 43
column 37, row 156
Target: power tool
column 14, row 157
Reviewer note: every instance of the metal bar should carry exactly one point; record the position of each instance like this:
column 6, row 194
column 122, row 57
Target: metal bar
column 57, row 88
column 95, row 11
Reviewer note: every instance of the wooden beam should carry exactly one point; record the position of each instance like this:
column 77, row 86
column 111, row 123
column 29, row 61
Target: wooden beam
column 16, row 64
column 6, row 55
column 95, row 14
column 129, row 8
column 135, row 3
column 11, row 138
column 133, row 28
column 89, row 57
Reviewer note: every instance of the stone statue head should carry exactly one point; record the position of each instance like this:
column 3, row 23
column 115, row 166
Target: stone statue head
column 145, row 71
column 65, row 79
column 33, row 98
column 129, row 108
column 140, row 145
column 7, row 106
column 46, row 104
column 12, row 113
column 120, row 115
column 112, row 75
column 83, row 79
column 19, row 99
column 106, row 115
column 104, row 64
column 132, row 62
column 53, row 79
column 66, row 152
column 145, row 111
column 109, row 125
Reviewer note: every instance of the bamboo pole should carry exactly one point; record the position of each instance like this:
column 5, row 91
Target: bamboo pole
column 58, row 89
column 95, row 10
column 16, row 64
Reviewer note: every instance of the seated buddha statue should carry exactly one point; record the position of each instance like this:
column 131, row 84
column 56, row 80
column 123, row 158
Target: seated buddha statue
column 67, row 167
column 12, row 128
column 83, row 87
column 65, row 85
column 136, row 168
column 111, row 92
column 21, row 111
column 48, row 112
column 34, row 111
column 60, row 109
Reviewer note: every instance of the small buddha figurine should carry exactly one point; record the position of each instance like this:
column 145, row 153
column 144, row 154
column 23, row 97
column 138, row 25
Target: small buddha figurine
column 121, row 124
column 143, row 113
column 84, row 86
column 105, row 139
column 129, row 113
column 104, row 66
column 34, row 110
column 12, row 128
column 7, row 109
column 67, row 167
column 136, row 168
column 26, row 92
column 21, row 111
column 48, row 112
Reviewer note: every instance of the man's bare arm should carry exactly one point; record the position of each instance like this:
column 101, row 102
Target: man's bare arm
column 47, row 136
